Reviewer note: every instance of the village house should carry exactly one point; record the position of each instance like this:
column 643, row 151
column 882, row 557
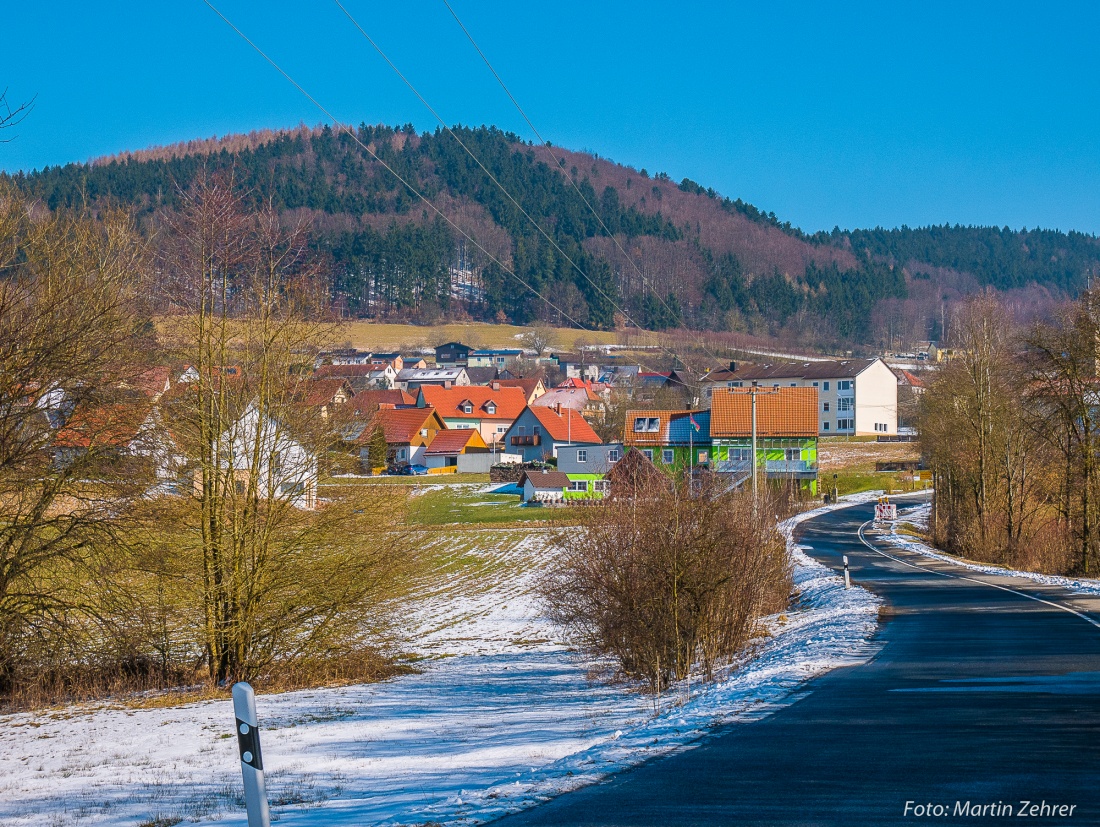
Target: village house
column 856, row 397
column 324, row 395
column 582, row 399
column 408, row 433
column 671, row 440
column 538, row 432
column 452, row 354
column 491, row 410
column 498, row 359
column 259, row 450
column 786, row 434
column 461, row 449
column 413, row 379
column 589, row 459
column 361, row 377
column 532, row 388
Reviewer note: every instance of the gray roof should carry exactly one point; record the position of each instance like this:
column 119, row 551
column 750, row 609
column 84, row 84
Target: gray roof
column 843, row 369
column 548, row 479
column 481, row 376
column 428, row 374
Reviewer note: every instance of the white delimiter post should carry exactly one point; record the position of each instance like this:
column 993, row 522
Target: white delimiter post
column 252, row 767
column 752, row 393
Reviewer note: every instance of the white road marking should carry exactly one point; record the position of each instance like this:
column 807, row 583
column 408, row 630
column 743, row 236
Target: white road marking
column 867, row 543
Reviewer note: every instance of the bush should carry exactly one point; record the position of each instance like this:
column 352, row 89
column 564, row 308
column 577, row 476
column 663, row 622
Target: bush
column 670, row 578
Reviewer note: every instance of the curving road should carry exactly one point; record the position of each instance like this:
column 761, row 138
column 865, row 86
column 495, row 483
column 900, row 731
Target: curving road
column 984, row 695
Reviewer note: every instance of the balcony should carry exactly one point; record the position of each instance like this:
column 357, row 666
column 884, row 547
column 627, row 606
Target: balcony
column 790, row 467
column 732, row 466
column 526, row 439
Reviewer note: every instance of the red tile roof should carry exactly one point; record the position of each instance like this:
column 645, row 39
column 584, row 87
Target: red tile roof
column 109, row 425
column 510, row 402
column 780, row 412
column 366, row 401
column 402, row 425
column 568, row 426
column 317, row 392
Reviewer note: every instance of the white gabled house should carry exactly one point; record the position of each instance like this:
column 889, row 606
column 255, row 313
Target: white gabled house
column 258, row 444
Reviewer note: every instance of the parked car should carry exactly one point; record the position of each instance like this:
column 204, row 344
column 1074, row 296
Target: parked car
column 398, row 469
column 416, row 470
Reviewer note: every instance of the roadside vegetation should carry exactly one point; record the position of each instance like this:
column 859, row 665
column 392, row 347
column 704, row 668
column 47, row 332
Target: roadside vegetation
column 1010, row 428
column 670, row 579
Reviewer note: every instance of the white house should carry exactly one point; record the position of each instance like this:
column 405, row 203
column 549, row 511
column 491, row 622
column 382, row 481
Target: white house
column 260, row 445
column 856, row 397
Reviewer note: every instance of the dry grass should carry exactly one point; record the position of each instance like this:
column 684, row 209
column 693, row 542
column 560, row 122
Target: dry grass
column 835, row 455
column 386, row 336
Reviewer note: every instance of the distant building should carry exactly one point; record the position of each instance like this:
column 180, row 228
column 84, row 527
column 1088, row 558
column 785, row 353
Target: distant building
column 498, row 359
column 412, row 379
column 452, row 354
column 856, row 397
column 538, row 432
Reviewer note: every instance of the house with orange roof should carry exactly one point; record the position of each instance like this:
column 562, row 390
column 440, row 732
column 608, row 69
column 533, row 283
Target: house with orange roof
column 408, row 433
column 532, row 387
column 489, row 409
column 538, row 432
column 462, row 449
column 323, row 395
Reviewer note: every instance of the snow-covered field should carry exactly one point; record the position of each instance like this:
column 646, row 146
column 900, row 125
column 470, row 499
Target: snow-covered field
column 503, row 715
column 918, row 517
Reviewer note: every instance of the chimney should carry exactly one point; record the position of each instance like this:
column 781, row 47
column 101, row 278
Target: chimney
column 496, row 386
column 733, row 367
column 557, row 408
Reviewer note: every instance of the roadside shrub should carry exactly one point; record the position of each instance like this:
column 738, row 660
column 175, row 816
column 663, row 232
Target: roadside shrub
column 671, row 578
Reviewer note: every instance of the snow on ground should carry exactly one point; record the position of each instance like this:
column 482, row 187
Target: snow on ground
column 918, row 517
column 503, row 715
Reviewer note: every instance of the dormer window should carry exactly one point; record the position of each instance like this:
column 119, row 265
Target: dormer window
column 467, row 407
column 490, row 408
column 647, row 425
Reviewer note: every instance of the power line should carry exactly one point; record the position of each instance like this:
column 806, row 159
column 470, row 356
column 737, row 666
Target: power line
column 492, row 177
column 351, row 133
column 557, row 163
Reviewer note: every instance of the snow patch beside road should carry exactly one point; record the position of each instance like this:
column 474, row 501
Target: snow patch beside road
column 504, row 715
column 918, row 517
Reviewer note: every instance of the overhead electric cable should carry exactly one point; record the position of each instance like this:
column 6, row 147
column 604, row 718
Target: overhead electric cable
column 493, row 178
column 351, row 133
column 557, row 162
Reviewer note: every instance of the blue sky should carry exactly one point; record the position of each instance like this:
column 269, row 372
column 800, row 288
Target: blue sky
column 855, row 115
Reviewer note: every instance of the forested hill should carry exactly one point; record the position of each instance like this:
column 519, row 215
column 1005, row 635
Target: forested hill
column 681, row 255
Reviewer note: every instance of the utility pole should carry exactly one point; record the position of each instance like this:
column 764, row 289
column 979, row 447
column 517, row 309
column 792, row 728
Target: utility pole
column 752, row 393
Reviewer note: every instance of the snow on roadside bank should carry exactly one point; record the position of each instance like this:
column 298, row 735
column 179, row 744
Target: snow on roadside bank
column 504, row 715
column 918, row 516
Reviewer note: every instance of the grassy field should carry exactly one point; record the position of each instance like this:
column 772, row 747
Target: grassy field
column 385, row 336
column 853, row 460
column 472, row 506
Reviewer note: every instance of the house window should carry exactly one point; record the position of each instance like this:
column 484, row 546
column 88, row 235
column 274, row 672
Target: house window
column 582, row 455
column 467, row 408
column 647, row 425
column 845, row 424
column 825, row 385
column 578, row 485
column 601, row 485
column 824, row 426
column 776, row 385
column 792, row 454
column 740, row 454
column 667, row 456
column 613, row 455
column 825, row 407
column 794, row 384
column 648, row 453
column 815, row 384
column 520, row 429
column 491, row 408
column 845, row 403
column 703, row 456
column 844, row 385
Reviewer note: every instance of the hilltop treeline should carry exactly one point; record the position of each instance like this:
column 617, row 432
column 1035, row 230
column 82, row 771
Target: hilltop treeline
column 613, row 245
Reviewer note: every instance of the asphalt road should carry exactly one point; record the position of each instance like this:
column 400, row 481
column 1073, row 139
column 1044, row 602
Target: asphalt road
column 978, row 694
